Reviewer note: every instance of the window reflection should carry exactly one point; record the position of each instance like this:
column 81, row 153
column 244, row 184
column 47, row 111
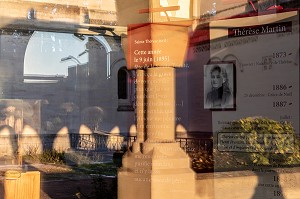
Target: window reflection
column 54, row 82
column 183, row 12
column 122, row 84
column 53, row 77
column 46, row 49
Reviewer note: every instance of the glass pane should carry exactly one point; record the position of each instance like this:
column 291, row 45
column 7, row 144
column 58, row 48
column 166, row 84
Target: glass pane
column 149, row 99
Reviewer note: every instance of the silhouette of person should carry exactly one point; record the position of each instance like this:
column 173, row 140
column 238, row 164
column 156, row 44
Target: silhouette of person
column 268, row 186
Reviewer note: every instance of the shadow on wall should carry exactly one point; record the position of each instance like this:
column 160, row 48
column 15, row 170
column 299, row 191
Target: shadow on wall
column 268, row 185
column 1, row 189
column 10, row 143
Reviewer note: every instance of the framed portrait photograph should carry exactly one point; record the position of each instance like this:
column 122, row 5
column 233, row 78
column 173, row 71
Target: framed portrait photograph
column 219, row 86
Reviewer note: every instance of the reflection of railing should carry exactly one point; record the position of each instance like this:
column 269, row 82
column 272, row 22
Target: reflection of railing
column 91, row 142
column 100, row 142
column 118, row 142
column 189, row 145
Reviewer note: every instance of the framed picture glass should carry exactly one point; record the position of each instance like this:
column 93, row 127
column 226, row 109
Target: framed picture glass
column 219, row 86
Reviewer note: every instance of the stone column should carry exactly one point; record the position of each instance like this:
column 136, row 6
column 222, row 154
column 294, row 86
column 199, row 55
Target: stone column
column 140, row 109
column 160, row 103
column 156, row 167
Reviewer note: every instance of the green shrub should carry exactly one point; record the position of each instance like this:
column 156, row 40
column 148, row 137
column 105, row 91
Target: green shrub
column 269, row 142
column 52, row 156
column 202, row 161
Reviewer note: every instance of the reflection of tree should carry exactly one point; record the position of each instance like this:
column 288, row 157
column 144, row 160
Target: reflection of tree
column 12, row 114
column 68, row 108
column 92, row 117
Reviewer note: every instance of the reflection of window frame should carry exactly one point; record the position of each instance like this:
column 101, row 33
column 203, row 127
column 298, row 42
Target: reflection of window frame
column 122, row 84
column 125, row 90
column 31, row 14
column 160, row 16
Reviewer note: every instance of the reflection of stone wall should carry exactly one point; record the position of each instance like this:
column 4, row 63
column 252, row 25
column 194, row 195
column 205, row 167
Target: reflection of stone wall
column 103, row 91
column 63, row 11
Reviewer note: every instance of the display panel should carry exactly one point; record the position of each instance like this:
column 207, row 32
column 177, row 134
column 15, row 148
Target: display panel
column 267, row 72
column 261, row 133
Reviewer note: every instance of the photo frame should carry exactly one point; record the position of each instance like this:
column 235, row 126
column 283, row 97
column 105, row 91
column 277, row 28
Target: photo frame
column 220, row 85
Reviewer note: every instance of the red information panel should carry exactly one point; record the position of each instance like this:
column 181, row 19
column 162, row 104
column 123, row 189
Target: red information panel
column 152, row 45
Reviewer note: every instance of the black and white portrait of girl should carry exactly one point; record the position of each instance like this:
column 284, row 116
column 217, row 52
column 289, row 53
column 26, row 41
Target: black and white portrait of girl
column 219, row 86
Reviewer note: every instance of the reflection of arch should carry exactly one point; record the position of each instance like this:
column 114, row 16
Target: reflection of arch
column 238, row 63
column 108, row 49
column 214, row 59
column 228, row 57
column 122, row 61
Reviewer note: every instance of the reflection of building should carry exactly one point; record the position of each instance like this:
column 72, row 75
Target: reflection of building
column 103, row 82
column 64, row 99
